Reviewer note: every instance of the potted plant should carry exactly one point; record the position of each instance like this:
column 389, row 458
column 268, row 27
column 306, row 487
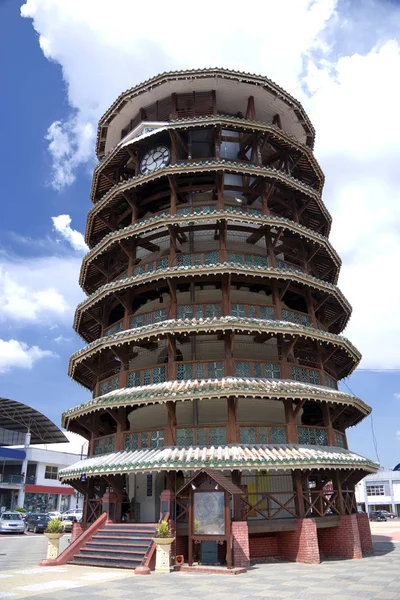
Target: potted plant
column 163, row 540
column 53, row 532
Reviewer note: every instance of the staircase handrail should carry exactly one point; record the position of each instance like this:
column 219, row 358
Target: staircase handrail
column 74, row 548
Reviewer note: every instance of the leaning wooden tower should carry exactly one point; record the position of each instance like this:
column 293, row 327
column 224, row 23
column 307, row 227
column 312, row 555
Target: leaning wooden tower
column 213, row 318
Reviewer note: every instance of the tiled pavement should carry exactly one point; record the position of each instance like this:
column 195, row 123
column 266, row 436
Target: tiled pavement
column 373, row 577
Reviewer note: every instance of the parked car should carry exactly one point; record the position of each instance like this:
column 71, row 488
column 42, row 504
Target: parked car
column 388, row 515
column 11, row 522
column 37, row 522
column 73, row 512
column 54, row 515
column 67, row 523
column 377, row 515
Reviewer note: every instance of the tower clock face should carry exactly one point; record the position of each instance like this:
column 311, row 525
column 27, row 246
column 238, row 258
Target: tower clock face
column 155, row 158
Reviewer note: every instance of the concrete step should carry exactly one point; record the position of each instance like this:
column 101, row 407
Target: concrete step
column 113, row 545
column 102, row 561
column 112, row 553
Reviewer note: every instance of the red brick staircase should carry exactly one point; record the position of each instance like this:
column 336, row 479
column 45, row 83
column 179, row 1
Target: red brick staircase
column 118, row 545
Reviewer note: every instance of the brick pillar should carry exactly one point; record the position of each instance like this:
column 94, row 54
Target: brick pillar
column 364, row 531
column 300, row 545
column 342, row 541
column 240, row 544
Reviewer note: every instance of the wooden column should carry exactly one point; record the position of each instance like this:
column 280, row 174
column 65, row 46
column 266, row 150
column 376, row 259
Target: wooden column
column 172, row 260
column 337, row 486
column 171, row 430
column 290, row 422
column 232, row 432
column 223, row 234
column 220, row 190
column 237, row 507
column 119, row 415
column 229, row 339
column 171, row 366
column 310, row 306
column 270, row 249
column 328, row 422
column 173, row 196
column 172, row 302
column 298, row 488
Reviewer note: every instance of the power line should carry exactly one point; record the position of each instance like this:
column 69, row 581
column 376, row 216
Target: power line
column 374, row 440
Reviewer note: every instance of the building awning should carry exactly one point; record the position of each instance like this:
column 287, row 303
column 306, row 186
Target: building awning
column 215, row 388
column 18, row 417
column 242, row 457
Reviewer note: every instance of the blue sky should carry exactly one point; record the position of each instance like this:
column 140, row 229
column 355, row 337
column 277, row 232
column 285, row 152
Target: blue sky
column 64, row 63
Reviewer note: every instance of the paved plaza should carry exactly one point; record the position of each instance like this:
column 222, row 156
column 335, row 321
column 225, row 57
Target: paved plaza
column 374, row 577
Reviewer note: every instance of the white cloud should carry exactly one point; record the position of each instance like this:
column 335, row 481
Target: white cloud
column 103, row 52
column 396, row 395
column 62, row 224
column 398, row 434
column 38, row 290
column 62, row 339
column 344, row 77
column 14, row 353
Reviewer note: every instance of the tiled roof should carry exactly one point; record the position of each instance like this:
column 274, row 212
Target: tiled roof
column 210, row 213
column 201, row 73
column 226, row 267
column 244, row 456
column 227, row 120
column 198, row 166
column 215, row 388
column 212, row 324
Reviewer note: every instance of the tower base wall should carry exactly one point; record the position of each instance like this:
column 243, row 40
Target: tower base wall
column 342, row 541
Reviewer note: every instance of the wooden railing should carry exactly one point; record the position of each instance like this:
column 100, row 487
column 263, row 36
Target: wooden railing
column 214, row 369
column 268, row 505
column 278, row 505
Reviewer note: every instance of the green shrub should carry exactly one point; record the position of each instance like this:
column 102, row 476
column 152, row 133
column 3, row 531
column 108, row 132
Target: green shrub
column 163, row 530
column 20, row 509
column 55, row 526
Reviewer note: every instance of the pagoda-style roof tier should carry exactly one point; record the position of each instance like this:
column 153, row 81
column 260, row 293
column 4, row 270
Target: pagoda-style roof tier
column 312, row 198
column 232, row 89
column 346, row 356
column 211, row 389
column 229, row 457
column 86, row 313
column 145, row 234
column 306, row 163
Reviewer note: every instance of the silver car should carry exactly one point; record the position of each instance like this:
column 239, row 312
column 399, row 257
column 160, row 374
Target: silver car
column 11, row 522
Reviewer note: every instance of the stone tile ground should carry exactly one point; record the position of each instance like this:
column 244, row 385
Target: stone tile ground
column 373, row 577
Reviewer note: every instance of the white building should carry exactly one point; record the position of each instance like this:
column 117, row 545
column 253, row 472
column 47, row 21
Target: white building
column 32, row 452
column 380, row 491
column 40, row 490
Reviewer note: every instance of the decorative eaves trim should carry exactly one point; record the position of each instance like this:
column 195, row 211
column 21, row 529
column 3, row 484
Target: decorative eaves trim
column 197, row 166
column 222, row 268
column 230, row 323
column 227, row 121
column 243, row 457
column 164, row 220
column 208, row 389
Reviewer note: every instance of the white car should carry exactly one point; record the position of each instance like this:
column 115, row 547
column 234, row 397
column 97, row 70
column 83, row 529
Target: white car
column 54, row 515
column 73, row 512
column 11, row 522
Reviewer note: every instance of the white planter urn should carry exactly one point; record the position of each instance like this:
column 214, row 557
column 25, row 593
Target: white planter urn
column 53, row 545
column 163, row 554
